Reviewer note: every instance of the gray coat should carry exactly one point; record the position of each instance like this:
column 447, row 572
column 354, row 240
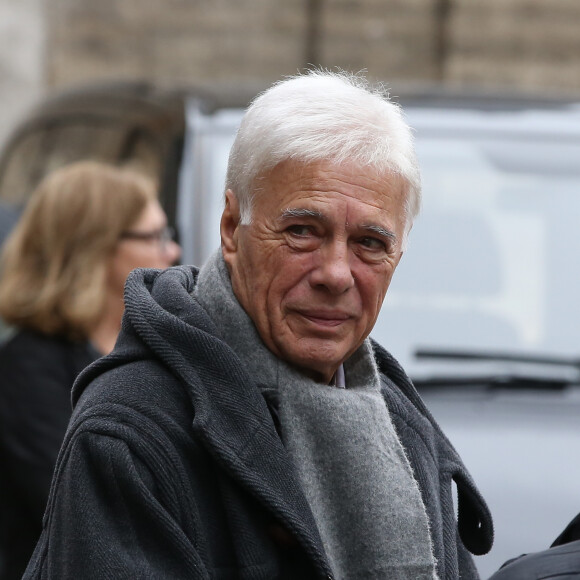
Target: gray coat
column 172, row 466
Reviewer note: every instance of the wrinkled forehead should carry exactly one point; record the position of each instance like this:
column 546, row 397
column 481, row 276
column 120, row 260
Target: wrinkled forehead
column 327, row 177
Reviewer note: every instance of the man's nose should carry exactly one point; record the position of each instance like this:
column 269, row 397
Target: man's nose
column 334, row 269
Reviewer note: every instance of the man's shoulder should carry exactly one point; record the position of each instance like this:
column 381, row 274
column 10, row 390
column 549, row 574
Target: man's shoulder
column 403, row 400
column 395, row 383
column 141, row 374
column 140, row 387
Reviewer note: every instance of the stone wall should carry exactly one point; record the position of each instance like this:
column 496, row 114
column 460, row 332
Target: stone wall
column 529, row 44
column 509, row 44
column 186, row 41
column 392, row 39
column 526, row 44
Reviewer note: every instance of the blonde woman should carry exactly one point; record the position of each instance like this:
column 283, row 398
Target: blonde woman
column 62, row 274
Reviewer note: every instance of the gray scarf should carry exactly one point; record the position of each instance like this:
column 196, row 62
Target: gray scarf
column 354, row 471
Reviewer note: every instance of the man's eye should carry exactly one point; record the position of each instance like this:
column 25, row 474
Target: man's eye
column 300, row 231
column 374, row 244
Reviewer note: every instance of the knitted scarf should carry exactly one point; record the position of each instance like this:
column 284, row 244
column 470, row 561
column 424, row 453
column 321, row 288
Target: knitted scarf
column 353, row 469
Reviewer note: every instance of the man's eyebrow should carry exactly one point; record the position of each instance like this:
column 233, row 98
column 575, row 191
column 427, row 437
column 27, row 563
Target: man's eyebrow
column 302, row 213
column 310, row 213
column 380, row 231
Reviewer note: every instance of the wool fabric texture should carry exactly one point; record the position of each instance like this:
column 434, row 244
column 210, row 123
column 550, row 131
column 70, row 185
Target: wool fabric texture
column 352, row 466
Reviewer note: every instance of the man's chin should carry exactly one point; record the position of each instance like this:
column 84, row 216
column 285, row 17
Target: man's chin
column 316, row 361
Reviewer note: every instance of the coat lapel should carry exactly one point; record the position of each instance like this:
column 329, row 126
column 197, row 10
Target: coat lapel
column 233, row 421
column 231, row 417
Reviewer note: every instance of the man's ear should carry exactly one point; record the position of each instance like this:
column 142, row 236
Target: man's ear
column 229, row 225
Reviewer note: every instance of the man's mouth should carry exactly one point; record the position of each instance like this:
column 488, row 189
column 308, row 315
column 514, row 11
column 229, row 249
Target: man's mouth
column 325, row 318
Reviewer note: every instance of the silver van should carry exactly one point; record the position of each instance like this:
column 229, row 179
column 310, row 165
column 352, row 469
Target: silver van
column 484, row 310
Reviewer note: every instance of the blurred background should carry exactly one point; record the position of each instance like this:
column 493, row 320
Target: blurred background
column 492, row 89
column 511, row 45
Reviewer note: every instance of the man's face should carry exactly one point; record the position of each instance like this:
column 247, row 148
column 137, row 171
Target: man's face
column 313, row 267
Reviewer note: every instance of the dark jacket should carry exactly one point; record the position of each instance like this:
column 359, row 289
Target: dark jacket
column 559, row 562
column 37, row 373
column 172, row 466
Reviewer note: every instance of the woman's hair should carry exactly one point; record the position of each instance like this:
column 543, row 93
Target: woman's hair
column 323, row 116
column 54, row 264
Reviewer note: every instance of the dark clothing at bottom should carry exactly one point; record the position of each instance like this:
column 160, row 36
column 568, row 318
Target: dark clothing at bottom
column 36, row 376
column 559, row 562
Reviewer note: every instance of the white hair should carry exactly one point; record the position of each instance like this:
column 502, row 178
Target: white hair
column 323, row 116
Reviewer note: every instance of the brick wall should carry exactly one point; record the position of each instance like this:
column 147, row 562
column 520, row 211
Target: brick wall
column 520, row 44
column 175, row 40
column 528, row 44
column 392, row 39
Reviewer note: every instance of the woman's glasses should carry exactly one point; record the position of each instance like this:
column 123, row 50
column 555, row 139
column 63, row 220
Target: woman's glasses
column 161, row 236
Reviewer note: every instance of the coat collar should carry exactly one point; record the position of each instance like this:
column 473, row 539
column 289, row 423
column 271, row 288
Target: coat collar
column 473, row 518
column 231, row 419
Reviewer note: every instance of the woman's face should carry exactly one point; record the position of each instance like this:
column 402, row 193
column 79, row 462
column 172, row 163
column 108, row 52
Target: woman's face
column 144, row 245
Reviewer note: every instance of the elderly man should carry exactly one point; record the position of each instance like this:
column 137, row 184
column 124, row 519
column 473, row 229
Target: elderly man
column 245, row 425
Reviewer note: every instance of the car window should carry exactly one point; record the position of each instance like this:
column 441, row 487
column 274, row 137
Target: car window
column 491, row 262
column 491, row 258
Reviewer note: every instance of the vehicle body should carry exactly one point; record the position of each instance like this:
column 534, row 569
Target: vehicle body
column 491, row 267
